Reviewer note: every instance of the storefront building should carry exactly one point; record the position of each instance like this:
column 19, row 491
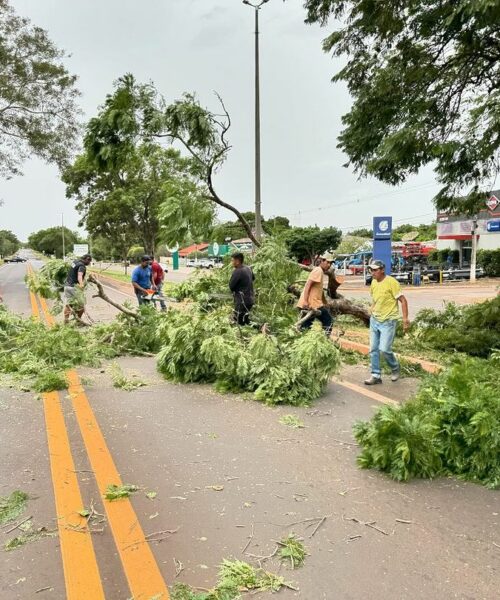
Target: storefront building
column 455, row 231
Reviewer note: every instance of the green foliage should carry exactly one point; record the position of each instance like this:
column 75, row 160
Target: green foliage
column 200, row 344
column 451, row 427
column 9, row 244
column 473, row 329
column 490, row 261
column 50, row 381
column 122, row 382
column 293, row 550
column 37, row 95
column 50, row 242
column 308, row 242
column 205, row 347
column 116, row 492
column 292, row 421
column 12, row 506
column 234, row 577
column 49, row 281
column 423, row 78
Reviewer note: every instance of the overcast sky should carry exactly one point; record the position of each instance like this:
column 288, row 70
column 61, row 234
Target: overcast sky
column 207, row 45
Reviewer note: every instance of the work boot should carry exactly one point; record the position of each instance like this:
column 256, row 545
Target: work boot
column 395, row 375
column 373, row 380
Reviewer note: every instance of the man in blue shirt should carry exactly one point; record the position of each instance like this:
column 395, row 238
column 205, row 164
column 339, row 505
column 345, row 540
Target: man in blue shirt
column 142, row 279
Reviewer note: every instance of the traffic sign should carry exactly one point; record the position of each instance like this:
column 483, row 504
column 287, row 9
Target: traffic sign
column 80, row 249
column 492, row 202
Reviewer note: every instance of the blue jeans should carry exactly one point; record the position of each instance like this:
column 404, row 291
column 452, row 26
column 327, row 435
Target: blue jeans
column 382, row 335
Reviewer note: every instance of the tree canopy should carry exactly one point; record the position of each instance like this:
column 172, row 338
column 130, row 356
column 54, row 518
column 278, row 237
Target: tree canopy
column 305, row 243
column 425, row 80
column 8, row 243
column 37, row 95
column 49, row 241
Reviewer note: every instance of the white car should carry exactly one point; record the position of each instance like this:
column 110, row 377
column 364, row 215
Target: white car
column 191, row 262
column 206, row 263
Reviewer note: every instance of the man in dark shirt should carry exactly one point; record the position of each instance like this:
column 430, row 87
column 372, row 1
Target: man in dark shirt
column 241, row 285
column 74, row 296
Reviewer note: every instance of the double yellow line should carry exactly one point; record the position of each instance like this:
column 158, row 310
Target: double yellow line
column 81, row 571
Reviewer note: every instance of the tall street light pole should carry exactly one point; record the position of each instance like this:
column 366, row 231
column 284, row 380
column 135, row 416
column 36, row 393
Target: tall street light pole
column 62, row 232
column 258, row 213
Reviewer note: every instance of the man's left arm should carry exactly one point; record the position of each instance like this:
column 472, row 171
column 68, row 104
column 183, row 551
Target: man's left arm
column 404, row 308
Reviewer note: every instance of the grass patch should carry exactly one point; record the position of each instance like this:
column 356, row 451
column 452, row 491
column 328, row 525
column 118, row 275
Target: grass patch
column 12, row 506
column 122, row 382
column 293, row 550
column 115, row 492
column 292, row 421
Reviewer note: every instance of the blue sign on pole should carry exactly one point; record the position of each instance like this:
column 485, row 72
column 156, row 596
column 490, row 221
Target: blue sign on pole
column 493, row 226
column 382, row 241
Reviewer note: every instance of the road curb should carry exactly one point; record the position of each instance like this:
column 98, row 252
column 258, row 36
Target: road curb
column 426, row 365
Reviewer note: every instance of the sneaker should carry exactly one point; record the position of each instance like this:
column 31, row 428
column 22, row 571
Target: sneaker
column 395, row 375
column 373, row 380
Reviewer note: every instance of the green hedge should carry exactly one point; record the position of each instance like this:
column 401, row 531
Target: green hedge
column 490, row 261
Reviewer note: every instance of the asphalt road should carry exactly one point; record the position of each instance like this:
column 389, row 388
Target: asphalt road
column 230, row 479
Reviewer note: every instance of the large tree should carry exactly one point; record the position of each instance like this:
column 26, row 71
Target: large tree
column 425, row 80
column 37, row 95
column 125, row 201
column 50, row 241
column 8, row 243
column 308, row 242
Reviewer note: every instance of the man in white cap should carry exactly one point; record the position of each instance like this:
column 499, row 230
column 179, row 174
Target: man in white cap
column 313, row 296
column 386, row 293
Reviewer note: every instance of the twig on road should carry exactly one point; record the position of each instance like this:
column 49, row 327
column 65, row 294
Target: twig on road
column 318, row 526
column 179, row 567
column 18, row 524
column 249, row 541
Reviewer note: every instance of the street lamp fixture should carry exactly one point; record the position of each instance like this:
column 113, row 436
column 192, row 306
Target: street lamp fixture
column 258, row 212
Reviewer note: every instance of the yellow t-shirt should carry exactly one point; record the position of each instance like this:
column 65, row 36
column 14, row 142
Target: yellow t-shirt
column 316, row 293
column 385, row 296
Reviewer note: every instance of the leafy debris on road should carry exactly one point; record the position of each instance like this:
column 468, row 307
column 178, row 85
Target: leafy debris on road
column 12, row 506
column 151, row 495
column 115, row 492
column 25, row 538
column 235, row 578
column 122, row 382
column 292, row 421
column 451, row 427
column 50, row 381
column 293, row 550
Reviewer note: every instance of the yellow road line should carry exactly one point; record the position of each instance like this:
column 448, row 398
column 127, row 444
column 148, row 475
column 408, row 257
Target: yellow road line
column 366, row 392
column 81, row 573
column 139, row 564
column 142, row 572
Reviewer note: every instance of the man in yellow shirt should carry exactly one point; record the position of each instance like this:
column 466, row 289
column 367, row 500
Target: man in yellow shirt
column 386, row 293
column 313, row 296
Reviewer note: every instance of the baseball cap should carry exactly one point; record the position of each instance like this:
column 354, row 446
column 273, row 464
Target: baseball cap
column 327, row 256
column 145, row 258
column 376, row 264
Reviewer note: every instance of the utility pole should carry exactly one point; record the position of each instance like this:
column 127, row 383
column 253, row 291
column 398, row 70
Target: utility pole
column 473, row 258
column 258, row 209
column 62, row 231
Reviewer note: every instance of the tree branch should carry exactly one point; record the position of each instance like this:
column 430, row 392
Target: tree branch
column 102, row 294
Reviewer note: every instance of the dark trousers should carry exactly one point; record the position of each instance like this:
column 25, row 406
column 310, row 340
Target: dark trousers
column 140, row 297
column 241, row 314
column 325, row 318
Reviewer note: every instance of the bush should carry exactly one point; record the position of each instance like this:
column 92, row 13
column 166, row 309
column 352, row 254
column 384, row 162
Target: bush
column 473, row 329
column 490, row 261
column 451, row 427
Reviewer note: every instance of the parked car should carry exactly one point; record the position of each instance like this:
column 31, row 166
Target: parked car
column 15, row 259
column 206, row 263
column 191, row 262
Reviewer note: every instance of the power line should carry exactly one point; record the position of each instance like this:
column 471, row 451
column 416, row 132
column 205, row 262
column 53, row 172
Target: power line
column 405, row 220
column 358, row 200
